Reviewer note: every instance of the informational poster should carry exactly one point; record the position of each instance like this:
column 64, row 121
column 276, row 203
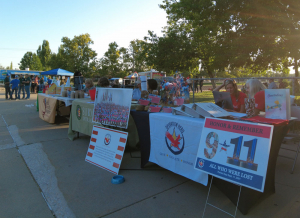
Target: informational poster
column 106, row 148
column 234, row 151
column 112, row 107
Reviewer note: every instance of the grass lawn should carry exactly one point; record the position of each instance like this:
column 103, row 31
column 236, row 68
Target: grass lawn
column 206, row 96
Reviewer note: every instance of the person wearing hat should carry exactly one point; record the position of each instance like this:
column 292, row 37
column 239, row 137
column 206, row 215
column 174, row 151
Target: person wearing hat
column 22, row 86
column 15, row 85
column 136, row 94
column 7, row 87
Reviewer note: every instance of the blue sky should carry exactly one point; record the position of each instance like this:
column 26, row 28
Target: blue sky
column 26, row 23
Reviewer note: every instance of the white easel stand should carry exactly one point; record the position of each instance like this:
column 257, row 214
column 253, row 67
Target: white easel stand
column 206, row 203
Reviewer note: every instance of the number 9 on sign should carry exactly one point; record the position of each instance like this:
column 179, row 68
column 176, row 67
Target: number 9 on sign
column 214, row 145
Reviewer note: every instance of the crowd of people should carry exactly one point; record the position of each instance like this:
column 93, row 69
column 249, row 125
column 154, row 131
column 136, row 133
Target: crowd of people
column 24, row 84
column 253, row 87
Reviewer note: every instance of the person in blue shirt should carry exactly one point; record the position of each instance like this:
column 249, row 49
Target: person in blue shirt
column 49, row 81
column 15, row 86
column 136, row 94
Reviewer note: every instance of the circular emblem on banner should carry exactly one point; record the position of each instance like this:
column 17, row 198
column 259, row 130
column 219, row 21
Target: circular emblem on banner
column 107, row 139
column 201, row 163
column 78, row 112
column 174, row 138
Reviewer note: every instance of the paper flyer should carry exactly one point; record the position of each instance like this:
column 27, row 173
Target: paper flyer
column 106, row 148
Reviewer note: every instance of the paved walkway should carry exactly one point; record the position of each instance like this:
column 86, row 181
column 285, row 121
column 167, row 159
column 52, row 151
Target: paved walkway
column 43, row 174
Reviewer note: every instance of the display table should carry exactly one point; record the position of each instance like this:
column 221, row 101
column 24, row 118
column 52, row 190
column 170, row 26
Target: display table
column 248, row 196
column 81, row 121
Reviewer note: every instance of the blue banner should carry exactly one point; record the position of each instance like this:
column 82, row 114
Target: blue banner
column 229, row 173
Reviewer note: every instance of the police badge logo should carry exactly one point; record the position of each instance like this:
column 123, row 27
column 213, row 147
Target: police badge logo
column 107, row 139
column 78, row 112
column 174, row 138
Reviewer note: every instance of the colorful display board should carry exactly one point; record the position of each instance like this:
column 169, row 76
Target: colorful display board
column 112, row 107
column 235, row 151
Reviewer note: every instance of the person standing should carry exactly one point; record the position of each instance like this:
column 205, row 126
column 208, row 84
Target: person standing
column 21, row 86
column 15, row 85
column 7, row 87
column 196, row 82
column 27, row 86
column 49, row 81
column 201, row 84
column 272, row 84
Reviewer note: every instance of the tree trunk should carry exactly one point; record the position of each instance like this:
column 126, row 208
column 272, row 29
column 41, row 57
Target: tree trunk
column 211, row 75
column 296, row 67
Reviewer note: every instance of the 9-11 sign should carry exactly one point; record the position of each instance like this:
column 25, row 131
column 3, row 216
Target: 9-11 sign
column 235, row 151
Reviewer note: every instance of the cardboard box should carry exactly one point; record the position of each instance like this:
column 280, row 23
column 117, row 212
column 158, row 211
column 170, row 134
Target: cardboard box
column 52, row 89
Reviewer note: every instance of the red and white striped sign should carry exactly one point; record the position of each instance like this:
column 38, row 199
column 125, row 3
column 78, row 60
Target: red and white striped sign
column 106, row 148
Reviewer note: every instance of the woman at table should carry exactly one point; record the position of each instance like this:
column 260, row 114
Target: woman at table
column 103, row 82
column 237, row 97
column 88, row 85
column 151, row 85
column 255, row 89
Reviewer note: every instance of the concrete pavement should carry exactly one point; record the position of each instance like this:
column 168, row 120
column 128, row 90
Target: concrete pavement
column 44, row 174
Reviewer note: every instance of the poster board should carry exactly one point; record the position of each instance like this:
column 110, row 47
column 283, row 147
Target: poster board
column 278, row 104
column 106, row 148
column 234, row 151
column 112, row 107
column 47, row 108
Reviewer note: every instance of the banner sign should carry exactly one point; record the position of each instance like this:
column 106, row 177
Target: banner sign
column 47, row 108
column 106, row 148
column 174, row 144
column 235, row 151
column 112, row 107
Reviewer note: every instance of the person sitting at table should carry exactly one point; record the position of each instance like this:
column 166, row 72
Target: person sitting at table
column 255, row 89
column 237, row 97
column 88, row 85
column 151, row 85
column 103, row 82
column 136, row 94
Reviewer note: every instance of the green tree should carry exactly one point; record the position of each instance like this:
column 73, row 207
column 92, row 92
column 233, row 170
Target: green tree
column 31, row 60
column 113, row 61
column 44, row 54
column 137, row 56
column 256, row 35
column 207, row 25
column 11, row 66
column 172, row 52
column 75, row 54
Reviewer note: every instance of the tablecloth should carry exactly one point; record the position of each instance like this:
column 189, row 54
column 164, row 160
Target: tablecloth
column 174, row 144
column 248, row 196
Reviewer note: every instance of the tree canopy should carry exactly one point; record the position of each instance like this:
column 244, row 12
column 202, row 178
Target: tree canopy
column 31, row 60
